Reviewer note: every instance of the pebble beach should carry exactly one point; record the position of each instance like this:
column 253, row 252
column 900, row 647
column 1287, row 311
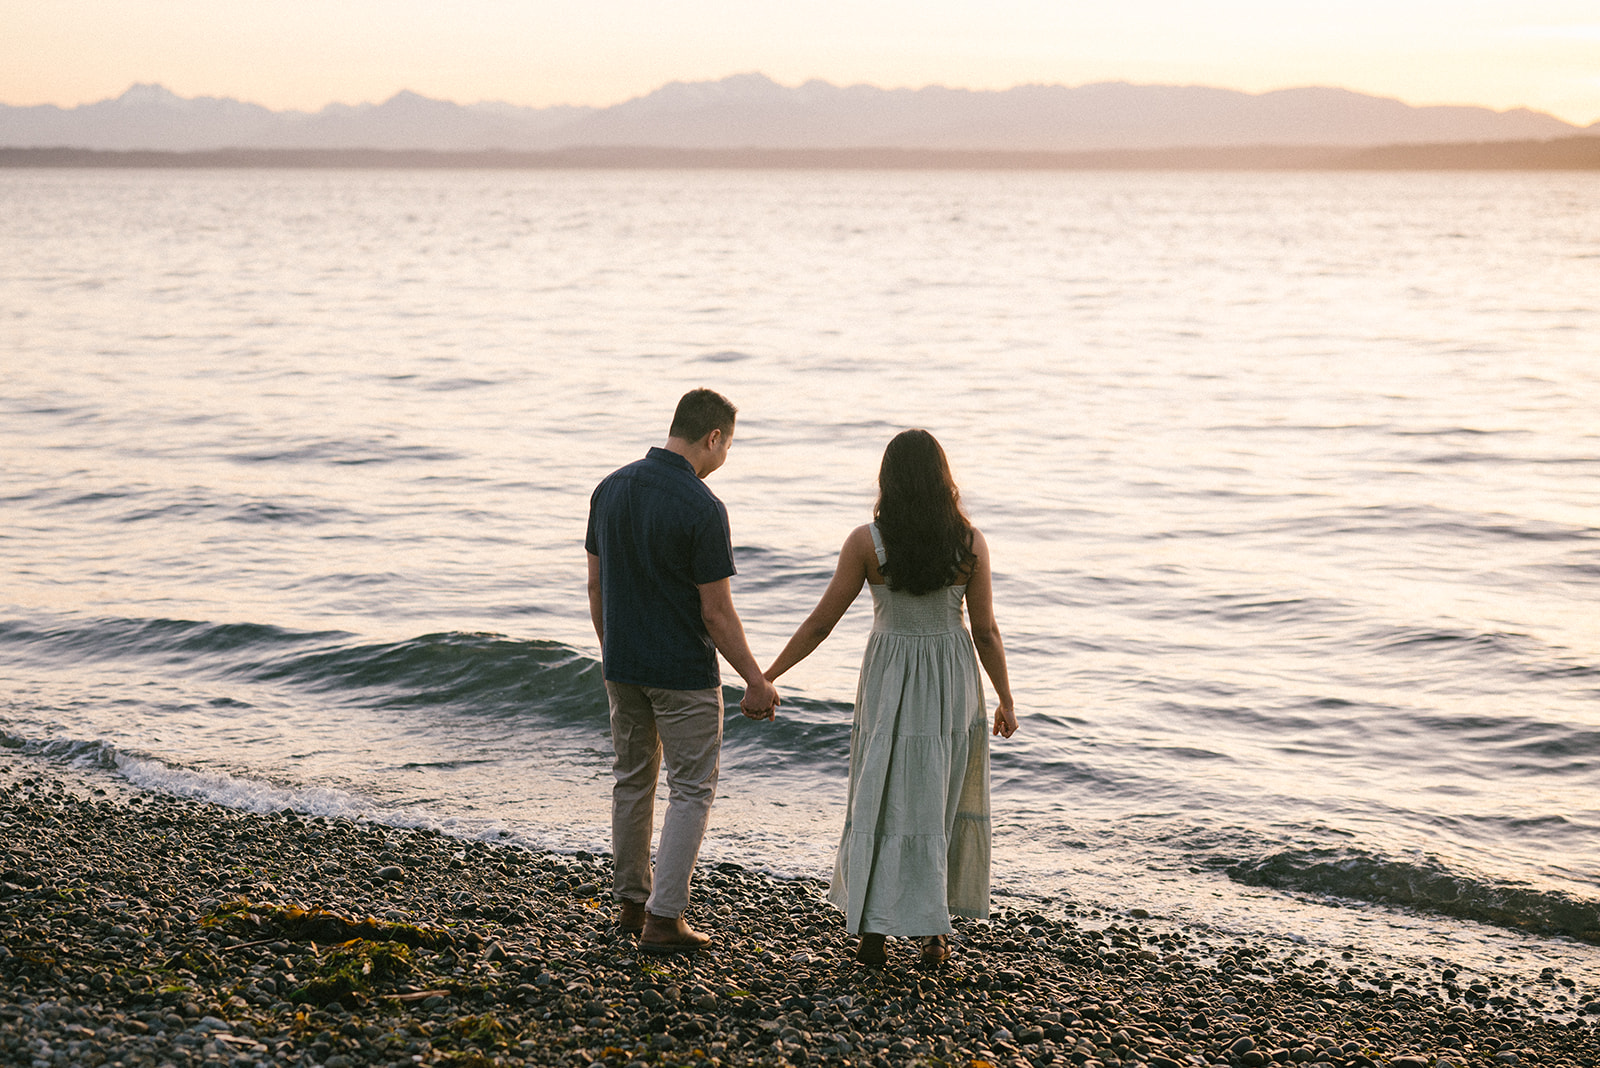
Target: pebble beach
column 143, row 929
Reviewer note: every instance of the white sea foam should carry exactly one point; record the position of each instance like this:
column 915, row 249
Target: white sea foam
column 251, row 795
column 257, row 795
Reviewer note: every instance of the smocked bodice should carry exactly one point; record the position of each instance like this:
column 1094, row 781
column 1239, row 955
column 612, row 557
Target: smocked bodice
column 899, row 612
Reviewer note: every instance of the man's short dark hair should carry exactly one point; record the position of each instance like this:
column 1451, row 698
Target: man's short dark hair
column 701, row 411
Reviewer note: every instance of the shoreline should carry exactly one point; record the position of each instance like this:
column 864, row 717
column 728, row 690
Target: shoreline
column 153, row 930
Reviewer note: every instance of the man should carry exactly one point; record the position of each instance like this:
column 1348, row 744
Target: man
column 660, row 557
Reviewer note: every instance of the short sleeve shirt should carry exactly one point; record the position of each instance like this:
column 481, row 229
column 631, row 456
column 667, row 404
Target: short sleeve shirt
column 660, row 533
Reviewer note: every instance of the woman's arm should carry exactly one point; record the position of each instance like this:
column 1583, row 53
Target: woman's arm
column 986, row 635
column 841, row 592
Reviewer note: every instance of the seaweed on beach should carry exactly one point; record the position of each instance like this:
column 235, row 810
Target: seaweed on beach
column 266, row 921
column 483, row 1031
column 357, row 966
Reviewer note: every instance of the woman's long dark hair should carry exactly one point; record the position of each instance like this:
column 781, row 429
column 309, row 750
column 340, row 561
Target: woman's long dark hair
column 926, row 536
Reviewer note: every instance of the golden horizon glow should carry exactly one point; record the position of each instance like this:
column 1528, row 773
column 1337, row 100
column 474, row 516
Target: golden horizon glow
column 298, row 55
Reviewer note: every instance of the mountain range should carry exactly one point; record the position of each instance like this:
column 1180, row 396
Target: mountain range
column 753, row 111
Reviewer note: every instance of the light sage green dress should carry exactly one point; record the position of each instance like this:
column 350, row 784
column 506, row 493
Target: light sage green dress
column 915, row 848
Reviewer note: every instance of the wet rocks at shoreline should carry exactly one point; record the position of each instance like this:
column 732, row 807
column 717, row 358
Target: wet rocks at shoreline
column 158, row 931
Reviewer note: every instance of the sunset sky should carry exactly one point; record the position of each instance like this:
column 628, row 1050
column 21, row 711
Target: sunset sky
column 303, row 54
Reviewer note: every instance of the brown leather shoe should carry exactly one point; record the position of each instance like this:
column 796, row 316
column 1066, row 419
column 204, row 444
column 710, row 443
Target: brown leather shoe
column 935, row 951
column 872, row 952
column 630, row 916
column 669, row 934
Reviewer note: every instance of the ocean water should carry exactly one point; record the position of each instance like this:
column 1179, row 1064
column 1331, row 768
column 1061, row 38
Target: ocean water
column 1292, row 484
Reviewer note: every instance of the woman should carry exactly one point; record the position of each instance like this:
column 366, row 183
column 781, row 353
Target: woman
column 915, row 846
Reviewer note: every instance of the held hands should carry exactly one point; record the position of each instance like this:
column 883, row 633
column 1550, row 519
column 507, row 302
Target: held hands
column 1005, row 720
column 760, row 701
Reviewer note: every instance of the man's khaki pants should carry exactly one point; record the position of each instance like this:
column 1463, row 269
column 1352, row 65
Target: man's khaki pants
column 684, row 727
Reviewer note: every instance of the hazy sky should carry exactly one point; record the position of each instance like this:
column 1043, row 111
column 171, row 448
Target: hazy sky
column 1543, row 54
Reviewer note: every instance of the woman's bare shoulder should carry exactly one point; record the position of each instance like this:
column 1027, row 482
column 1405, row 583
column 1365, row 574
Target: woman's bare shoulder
column 859, row 541
column 860, row 548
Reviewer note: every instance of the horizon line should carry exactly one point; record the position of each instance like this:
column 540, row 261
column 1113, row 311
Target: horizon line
column 406, row 91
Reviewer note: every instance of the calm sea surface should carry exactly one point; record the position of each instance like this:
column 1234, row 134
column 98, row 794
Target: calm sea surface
column 1292, row 484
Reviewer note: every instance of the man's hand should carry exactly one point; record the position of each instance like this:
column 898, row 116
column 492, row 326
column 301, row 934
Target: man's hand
column 760, row 701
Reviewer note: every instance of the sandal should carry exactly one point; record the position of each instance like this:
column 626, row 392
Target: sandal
column 935, row 951
column 872, row 951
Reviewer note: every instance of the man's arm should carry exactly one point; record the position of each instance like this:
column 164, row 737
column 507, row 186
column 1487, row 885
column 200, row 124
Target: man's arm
column 722, row 623
column 597, row 614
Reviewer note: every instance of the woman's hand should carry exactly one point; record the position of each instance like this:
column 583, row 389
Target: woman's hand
column 1005, row 721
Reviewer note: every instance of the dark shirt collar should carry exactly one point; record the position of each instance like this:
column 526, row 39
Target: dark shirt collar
column 670, row 457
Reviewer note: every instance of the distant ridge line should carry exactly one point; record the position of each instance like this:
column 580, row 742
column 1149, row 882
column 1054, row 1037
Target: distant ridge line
column 1567, row 153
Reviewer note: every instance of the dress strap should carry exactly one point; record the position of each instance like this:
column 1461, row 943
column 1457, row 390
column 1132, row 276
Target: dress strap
column 877, row 544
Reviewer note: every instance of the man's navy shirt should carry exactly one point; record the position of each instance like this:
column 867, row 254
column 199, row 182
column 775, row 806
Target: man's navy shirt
column 660, row 533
